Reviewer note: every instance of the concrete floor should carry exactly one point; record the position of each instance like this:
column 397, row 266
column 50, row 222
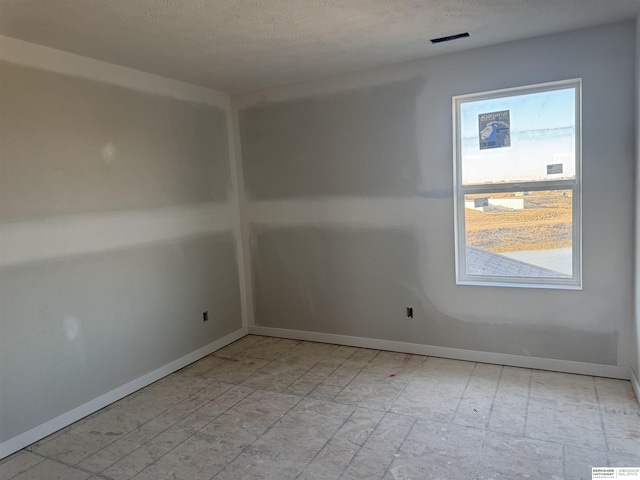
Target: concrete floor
column 279, row 409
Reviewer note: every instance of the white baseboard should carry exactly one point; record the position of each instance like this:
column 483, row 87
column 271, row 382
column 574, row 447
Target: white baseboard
column 566, row 366
column 41, row 431
column 635, row 384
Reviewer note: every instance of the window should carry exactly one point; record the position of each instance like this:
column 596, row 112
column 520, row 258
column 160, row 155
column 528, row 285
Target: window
column 517, row 186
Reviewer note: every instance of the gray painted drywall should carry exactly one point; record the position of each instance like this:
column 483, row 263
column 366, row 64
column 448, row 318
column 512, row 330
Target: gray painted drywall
column 321, row 146
column 78, row 327
column 94, row 147
column 146, row 177
column 591, row 325
column 357, row 282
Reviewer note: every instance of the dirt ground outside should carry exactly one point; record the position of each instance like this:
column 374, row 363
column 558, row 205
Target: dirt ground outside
column 544, row 223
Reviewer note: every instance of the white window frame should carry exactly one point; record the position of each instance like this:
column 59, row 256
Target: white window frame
column 460, row 190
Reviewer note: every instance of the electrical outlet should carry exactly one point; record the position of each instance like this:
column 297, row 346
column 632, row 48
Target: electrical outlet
column 205, row 316
column 409, row 312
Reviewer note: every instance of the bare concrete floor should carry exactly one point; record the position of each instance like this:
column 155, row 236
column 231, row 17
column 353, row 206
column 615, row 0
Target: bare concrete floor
column 268, row 408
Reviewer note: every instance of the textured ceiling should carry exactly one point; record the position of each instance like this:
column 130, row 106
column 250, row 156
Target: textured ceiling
column 241, row 45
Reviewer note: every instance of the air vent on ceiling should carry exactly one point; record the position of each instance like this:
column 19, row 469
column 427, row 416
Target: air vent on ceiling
column 449, row 38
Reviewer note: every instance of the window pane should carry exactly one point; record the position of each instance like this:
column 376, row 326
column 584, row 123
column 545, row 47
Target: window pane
column 522, row 137
column 523, row 234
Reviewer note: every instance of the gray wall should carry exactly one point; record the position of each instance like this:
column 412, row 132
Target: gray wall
column 345, row 157
column 101, row 147
column 136, row 174
column 350, row 213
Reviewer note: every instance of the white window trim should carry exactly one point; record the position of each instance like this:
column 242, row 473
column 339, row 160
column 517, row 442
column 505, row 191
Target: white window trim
column 460, row 190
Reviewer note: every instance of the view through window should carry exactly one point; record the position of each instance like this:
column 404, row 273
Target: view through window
column 517, row 184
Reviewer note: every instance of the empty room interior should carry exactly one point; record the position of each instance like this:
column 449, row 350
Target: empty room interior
column 303, row 240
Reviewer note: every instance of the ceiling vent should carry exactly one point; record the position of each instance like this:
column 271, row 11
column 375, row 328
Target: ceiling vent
column 450, row 37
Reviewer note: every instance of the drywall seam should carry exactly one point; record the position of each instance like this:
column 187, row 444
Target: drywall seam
column 383, row 212
column 244, row 217
column 27, row 438
column 566, row 366
column 239, row 224
column 39, row 240
column 38, row 56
